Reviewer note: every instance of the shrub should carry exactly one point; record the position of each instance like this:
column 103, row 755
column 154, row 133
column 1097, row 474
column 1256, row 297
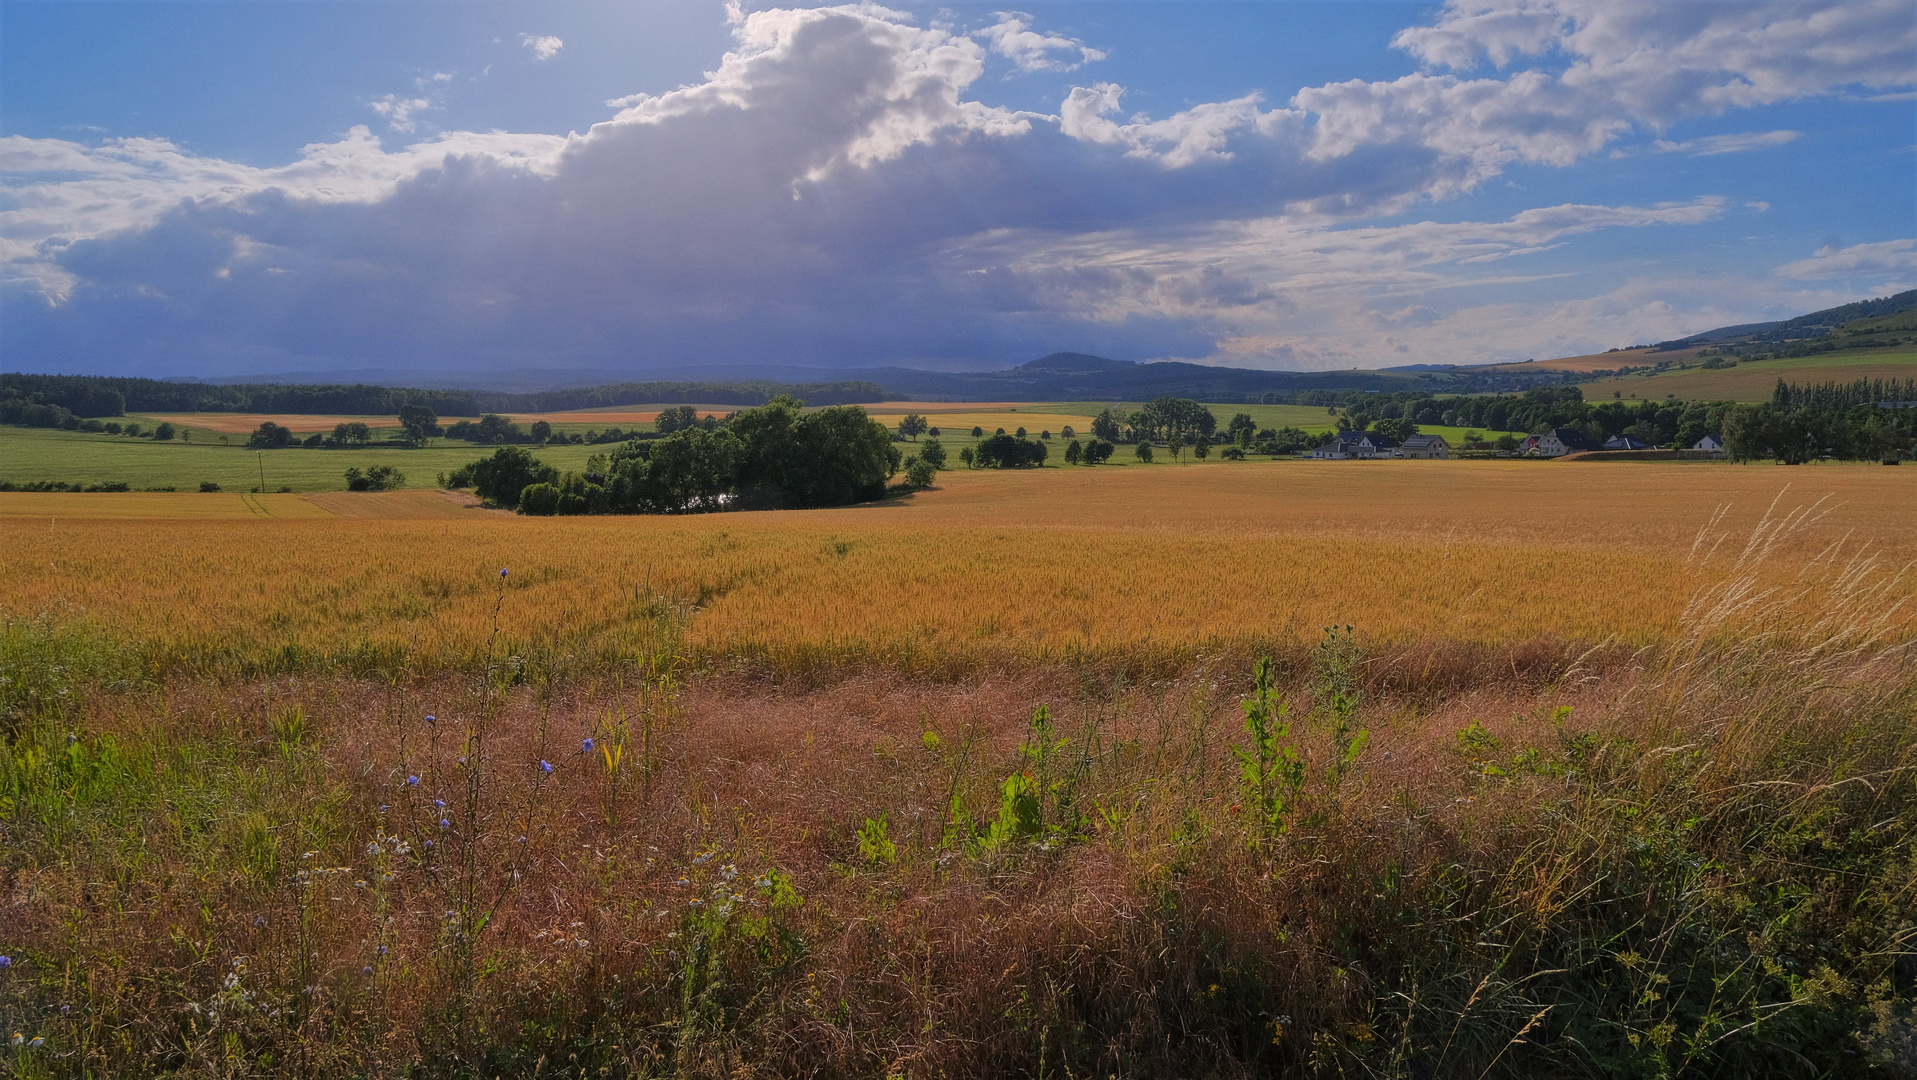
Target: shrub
column 920, row 473
column 268, row 436
column 500, row 478
column 1008, row 452
column 933, row 450
column 208, row 485
column 539, row 500
column 377, row 478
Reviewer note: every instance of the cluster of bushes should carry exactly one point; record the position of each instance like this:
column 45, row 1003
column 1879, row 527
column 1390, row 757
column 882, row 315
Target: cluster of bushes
column 770, row 456
column 1002, row 451
column 377, row 478
column 66, row 485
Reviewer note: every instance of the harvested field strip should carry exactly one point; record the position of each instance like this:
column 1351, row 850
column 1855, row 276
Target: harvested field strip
column 414, row 504
column 245, row 423
column 961, row 423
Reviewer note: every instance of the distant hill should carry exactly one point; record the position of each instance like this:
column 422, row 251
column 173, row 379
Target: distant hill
column 1804, row 327
column 1069, row 376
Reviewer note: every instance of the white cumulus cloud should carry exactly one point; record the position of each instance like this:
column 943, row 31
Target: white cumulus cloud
column 543, row 46
column 399, row 111
column 834, row 191
column 1013, row 38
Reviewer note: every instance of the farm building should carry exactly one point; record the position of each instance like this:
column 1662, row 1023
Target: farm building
column 1355, row 444
column 1556, row 442
column 1425, row 446
column 1712, row 443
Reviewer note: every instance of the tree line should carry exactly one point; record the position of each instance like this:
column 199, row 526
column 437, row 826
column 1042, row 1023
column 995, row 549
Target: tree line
column 766, row 457
column 100, row 396
column 1866, row 420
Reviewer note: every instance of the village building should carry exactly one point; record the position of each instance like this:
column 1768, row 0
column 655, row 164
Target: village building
column 1355, row 444
column 1625, row 442
column 1425, row 446
column 1556, row 442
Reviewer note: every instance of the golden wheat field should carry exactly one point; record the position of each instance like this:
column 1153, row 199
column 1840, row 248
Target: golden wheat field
column 989, row 567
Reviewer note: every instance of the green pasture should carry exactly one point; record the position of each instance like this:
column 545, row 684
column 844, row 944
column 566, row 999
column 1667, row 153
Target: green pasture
column 28, row 454
column 1754, row 380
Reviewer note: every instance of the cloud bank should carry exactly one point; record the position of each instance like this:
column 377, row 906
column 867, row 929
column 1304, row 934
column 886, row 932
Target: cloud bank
column 836, row 193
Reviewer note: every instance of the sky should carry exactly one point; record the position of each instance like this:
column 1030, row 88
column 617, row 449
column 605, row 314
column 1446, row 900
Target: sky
column 251, row 187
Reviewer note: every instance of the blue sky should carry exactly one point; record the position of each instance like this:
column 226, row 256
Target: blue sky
column 257, row 187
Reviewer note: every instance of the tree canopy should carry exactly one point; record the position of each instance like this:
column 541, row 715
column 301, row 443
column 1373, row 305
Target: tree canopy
column 774, row 455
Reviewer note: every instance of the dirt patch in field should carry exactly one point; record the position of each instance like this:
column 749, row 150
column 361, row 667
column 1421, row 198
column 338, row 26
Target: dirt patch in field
column 417, row 503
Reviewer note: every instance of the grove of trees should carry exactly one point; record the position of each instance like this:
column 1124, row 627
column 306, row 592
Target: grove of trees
column 771, row 456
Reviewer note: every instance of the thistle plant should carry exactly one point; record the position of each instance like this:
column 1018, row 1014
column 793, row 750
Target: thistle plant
column 1271, row 774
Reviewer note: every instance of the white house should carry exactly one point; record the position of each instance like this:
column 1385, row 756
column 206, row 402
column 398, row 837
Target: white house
column 1712, row 443
column 1373, row 445
column 1355, row 444
column 1338, row 449
column 1556, row 442
column 1425, row 446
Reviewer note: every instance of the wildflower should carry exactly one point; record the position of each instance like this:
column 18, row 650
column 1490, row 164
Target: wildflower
column 36, row 1042
column 544, row 765
column 5, row 962
column 382, row 808
column 439, row 804
column 586, row 747
column 412, row 781
column 502, row 571
column 431, row 719
column 381, row 950
column 444, row 824
column 429, row 843
column 367, row 970
column 18, row 1038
